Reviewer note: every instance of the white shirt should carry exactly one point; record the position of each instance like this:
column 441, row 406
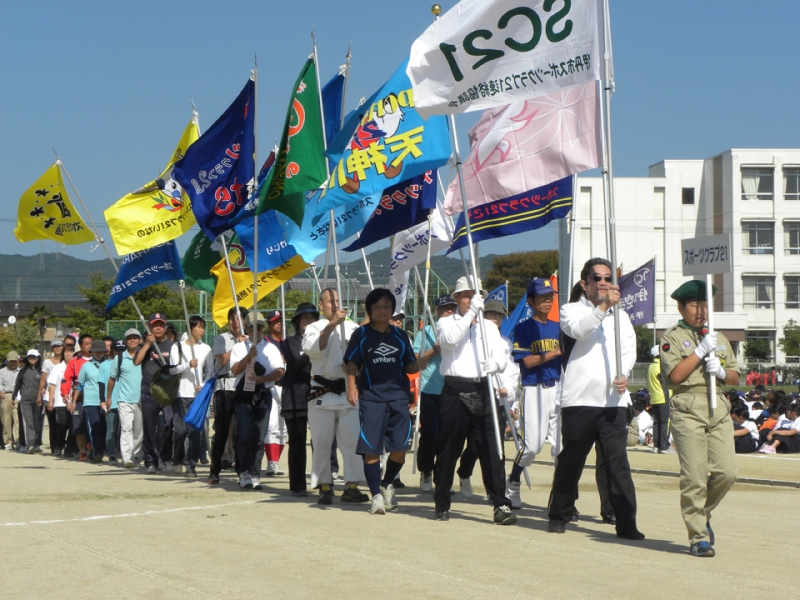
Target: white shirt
column 796, row 424
column 589, row 377
column 267, row 355
column 752, row 428
column 462, row 346
column 327, row 362
column 202, row 352
column 644, row 422
column 223, row 343
column 509, row 377
column 54, row 378
column 47, row 366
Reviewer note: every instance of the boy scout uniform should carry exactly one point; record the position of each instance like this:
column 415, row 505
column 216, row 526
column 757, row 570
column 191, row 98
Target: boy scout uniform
column 704, row 439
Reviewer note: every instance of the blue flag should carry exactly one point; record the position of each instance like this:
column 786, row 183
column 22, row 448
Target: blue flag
column 637, row 293
column 522, row 313
column 273, row 250
column 142, row 269
column 500, row 293
column 220, row 166
column 383, row 142
column 401, row 207
column 515, row 214
column 332, row 97
column 311, row 239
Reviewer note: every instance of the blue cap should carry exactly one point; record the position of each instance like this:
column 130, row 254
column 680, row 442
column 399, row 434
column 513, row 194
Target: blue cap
column 539, row 287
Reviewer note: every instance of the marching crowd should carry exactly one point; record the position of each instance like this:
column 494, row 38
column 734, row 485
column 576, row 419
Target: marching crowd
column 347, row 385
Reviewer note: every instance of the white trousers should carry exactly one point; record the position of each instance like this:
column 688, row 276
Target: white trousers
column 325, row 423
column 131, row 432
column 276, row 432
column 539, row 423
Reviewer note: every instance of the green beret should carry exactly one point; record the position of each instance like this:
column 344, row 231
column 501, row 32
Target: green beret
column 692, row 290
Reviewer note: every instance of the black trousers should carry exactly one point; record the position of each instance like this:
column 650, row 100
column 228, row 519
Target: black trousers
column 456, row 422
column 150, row 411
column 57, row 419
column 252, row 422
column 601, row 479
column 297, row 429
column 660, row 414
column 223, row 415
column 581, row 428
column 430, row 407
column 180, row 430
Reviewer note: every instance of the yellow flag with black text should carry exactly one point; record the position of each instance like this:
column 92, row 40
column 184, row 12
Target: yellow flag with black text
column 46, row 213
column 157, row 212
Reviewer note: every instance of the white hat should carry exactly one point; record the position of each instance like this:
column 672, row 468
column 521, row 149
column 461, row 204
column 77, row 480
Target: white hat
column 654, row 351
column 463, row 284
column 32, row 352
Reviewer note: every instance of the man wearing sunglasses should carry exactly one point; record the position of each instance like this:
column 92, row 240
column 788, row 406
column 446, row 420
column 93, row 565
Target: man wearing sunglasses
column 593, row 401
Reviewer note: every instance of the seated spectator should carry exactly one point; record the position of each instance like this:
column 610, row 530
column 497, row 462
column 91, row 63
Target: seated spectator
column 745, row 432
column 785, row 439
column 644, row 423
column 756, row 408
column 773, row 414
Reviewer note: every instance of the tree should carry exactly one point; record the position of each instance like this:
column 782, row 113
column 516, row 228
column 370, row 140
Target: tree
column 20, row 337
column 757, row 350
column 519, row 268
column 644, row 342
column 790, row 342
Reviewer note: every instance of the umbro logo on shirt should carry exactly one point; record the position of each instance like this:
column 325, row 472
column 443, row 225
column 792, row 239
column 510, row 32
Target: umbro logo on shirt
column 383, row 351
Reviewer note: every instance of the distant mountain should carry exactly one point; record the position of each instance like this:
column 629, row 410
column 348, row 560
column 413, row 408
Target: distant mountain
column 21, row 277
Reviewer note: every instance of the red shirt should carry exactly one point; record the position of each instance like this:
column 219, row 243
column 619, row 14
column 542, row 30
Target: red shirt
column 71, row 375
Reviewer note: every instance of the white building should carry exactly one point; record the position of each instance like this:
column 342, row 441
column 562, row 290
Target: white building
column 753, row 194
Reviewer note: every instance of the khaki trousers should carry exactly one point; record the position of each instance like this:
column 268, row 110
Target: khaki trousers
column 704, row 441
column 8, row 415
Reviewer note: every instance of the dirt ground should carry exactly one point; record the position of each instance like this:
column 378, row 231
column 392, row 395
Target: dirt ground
column 75, row 530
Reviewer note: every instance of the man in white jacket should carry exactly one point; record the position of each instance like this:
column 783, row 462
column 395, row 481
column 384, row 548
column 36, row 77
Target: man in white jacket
column 593, row 401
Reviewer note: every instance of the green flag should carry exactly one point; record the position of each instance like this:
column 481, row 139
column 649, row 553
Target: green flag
column 200, row 256
column 300, row 165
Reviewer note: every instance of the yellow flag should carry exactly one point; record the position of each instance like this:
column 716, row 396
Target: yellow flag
column 157, row 212
column 243, row 280
column 46, row 213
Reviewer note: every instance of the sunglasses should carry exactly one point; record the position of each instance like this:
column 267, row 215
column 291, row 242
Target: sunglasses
column 599, row 278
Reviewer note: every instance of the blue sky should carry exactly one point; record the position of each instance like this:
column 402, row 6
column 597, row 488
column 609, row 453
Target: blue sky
column 110, row 84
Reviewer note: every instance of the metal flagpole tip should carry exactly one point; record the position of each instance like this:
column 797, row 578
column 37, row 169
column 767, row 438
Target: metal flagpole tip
column 436, row 9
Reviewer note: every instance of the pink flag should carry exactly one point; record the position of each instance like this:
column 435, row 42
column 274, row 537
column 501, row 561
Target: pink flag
column 528, row 144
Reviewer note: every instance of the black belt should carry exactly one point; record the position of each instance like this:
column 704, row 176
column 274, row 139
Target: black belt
column 466, row 384
column 228, row 376
column 548, row 384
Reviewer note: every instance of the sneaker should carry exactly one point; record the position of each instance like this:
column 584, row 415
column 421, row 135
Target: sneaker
column 466, row 487
column 512, row 493
column 245, row 482
column 388, row 497
column 272, row 469
column 177, row 469
column 83, row 456
column 256, row 480
column 30, row 449
column 441, row 516
column 203, row 461
column 378, row 507
column 554, row 526
column 710, row 531
column 38, row 449
column 299, row 494
column 426, row 483
column 354, row 495
column 213, row 480
column 398, row 485
column 609, row 519
column 161, row 466
column 226, row 464
column 335, row 476
column 504, row 516
column 575, row 515
column 669, row 450
column 112, row 459
column 325, row 496
column 128, row 464
column 151, row 470
column 278, row 470
column 634, row 535
column 768, row 449
column 191, row 471
column 703, row 549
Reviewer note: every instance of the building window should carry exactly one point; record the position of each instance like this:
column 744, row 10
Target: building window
column 688, row 196
column 759, row 291
column 758, row 237
column 759, row 346
column 756, row 183
column 791, row 237
column 792, row 283
column 791, row 184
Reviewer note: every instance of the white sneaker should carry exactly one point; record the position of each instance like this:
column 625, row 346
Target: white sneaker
column 128, row 464
column 389, row 501
column 378, row 507
column 256, row 481
column 161, row 465
column 278, row 470
column 272, row 469
column 177, row 469
column 245, row 482
column 151, row 470
column 512, row 493
column 466, row 487
column 426, row 482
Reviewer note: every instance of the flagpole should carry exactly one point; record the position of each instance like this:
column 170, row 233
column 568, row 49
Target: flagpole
column 474, row 266
column 254, row 190
column 608, row 169
column 449, row 221
column 99, row 239
column 366, row 265
column 572, row 220
column 332, row 232
column 230, row 278
column 313, row 266
column 189, row 340
column 655, row 301
column 283, row 313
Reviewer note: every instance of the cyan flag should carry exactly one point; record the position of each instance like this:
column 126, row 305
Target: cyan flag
column 274, row 250
column 384, row 141
column 218, row 167
column 500, row 293
column 523, row 312
column 142, row 269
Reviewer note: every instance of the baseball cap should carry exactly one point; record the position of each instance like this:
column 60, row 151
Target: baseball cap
column 444, row 300
column 12, row 356
column 132, row 331
column 494, row 305
column 539, row 287
column 399, row 315
column 57, row 342
column 98, row 346
column 273, row 315
column 654, row 351
column 32, row 352
column 118, row 345
column 258, row 318
column 157, row 317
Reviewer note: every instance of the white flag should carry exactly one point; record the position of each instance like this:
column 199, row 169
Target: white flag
column 411, row 248
column 487, row 53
